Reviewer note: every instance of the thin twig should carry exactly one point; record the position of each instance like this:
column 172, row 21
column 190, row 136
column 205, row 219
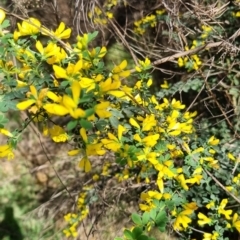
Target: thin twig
column 220, row 185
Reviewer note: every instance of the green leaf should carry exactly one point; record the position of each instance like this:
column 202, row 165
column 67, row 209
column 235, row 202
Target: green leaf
column 101, row 124
column 128, row 234
column 137, row 231
column 117, row 113
column 161, row 220
column 72, row 124
column 5, row 23
column 64, row 83
column 118, row 238
column 234, row 91
column 162, row 228
column 86, row 98
column 143, row 237
column 128, row 112
column 3, row 121
column 86, row 124
column 100, row 64
column 145, row 218
column 114, row 122
column 136, row 219
column 91, row 36
column 7, row 103
column 89, row 112
column 153, row 213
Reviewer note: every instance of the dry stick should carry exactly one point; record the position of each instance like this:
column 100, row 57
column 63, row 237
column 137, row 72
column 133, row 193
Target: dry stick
column 193, row 51
column 236, row 165
column 219, row 184
column 219, row 105
column 49, row 160
column 124, row 41
column 203, row 86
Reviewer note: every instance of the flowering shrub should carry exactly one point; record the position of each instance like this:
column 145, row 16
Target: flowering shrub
column 192, row 181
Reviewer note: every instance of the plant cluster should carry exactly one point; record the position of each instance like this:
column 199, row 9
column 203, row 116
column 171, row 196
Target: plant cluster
column 191, row 181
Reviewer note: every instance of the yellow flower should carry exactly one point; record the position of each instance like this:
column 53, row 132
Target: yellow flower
column 203, row 219
column 82, row 42
column 72, row 70
column 58, row 134
column 181, row 179
column 194, row 179
column 109, row 14
column 206, row 28
column 221, row 209
column 34, row 97
column 85, row 164
column 151, row 140
column 198, row 150
column 213, row 141
column 101, row 110
column 52, row 52
column 180, row 62
column 231, row 157
column 121, row 129
column 134, row 123
column 209, row 236
column 94, row 53
column 210, row 205
column 182, row 220
column 149, row 82
column 21, row 84
column 192, row 206
column 236, row 222
column 60, row 32
column 160, row 12
column 137, row 137
column 94, row 149
column 149, row 122
column 177, row 104
column 2, row 16
column 67, row 104
column 95, row 177
column 28, row 27
column 114, row 143
column 165, row 85
column 5, row 132
column 174, row 128
column 237, row 14
column 84, row 135
column 144, row 65
column 6, row 151
column 155, row 195
column 118, row 72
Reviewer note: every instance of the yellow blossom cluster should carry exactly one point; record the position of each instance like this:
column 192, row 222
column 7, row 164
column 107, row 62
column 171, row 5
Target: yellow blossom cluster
column 74, row 219
column 193, row 62
column 100, row 17
column 151, row 20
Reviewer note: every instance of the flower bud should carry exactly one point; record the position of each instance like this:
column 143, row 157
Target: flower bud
column 2, row 16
